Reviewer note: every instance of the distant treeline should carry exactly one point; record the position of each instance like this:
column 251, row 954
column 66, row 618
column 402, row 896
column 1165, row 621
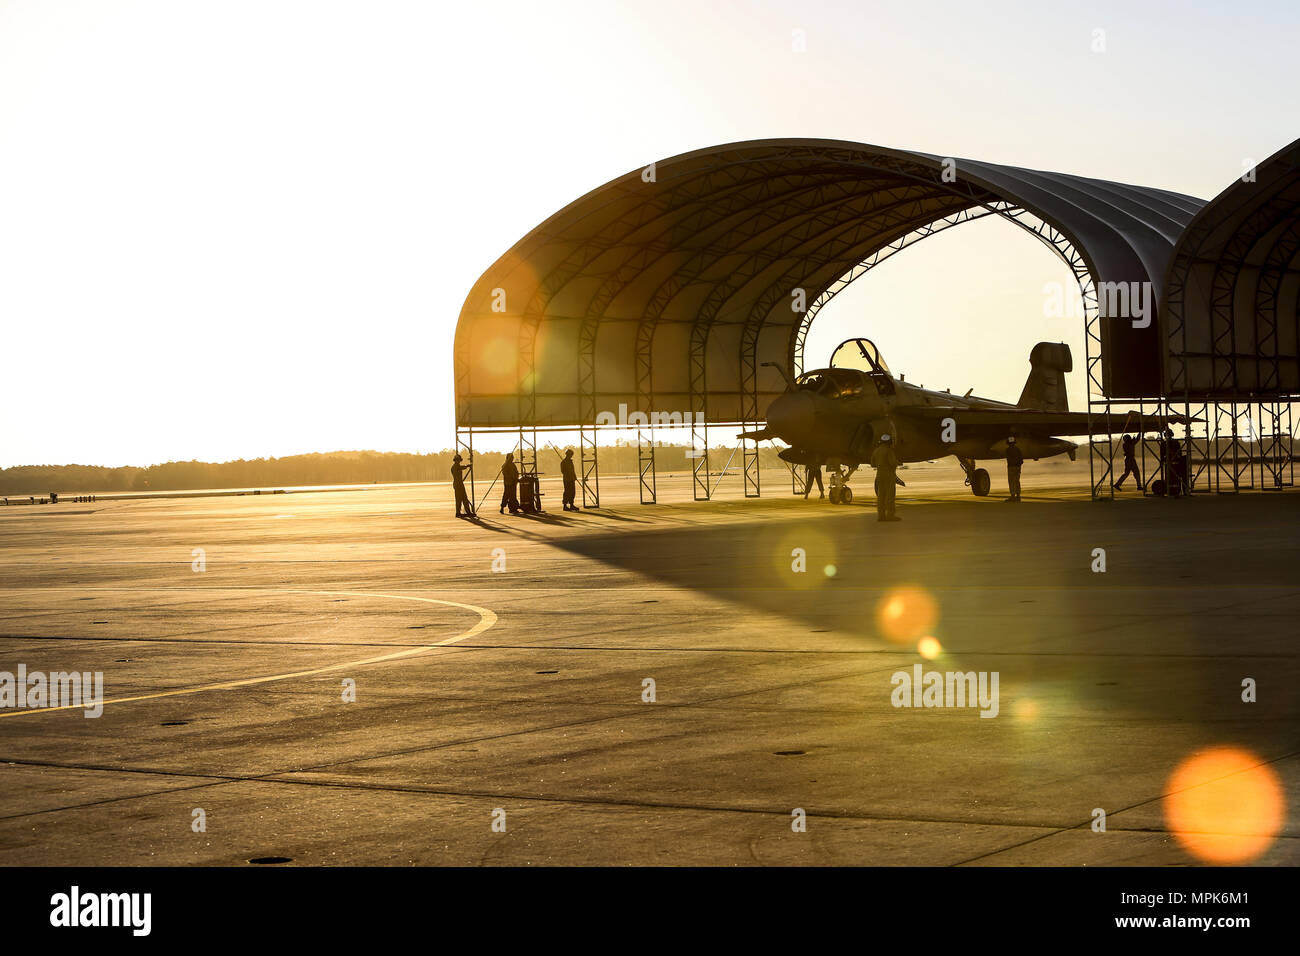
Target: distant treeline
column 330, row 468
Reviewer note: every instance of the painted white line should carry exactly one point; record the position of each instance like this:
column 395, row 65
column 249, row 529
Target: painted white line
column 485, row 621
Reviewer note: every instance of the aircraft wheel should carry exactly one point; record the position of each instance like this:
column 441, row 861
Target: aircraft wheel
column 980, row 483
column 834, row 496
column 846, row 496
column 1158, row 487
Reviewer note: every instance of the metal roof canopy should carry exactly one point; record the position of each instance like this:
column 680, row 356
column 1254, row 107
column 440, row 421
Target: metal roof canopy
column 668, row 289
column 1233, row 291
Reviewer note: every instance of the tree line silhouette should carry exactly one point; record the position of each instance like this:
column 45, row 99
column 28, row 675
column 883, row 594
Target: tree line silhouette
column 330, row 468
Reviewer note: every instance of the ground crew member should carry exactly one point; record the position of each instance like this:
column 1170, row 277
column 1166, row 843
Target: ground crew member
column 510, row 485
column 813, row 473
column 570, row 481
column 1130, row 462
column 458, row 486
column 1015, row 458
column 1175, row 473
column 885, row 462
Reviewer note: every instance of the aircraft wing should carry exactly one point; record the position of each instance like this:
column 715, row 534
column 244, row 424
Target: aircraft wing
column 1041, row 422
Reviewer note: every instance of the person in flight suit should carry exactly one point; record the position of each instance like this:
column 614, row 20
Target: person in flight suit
column 510, row 485
column 1015, row 458
column 885, row 462
column 458, row 486
column 813, row 473
column 570, row 481
column 1129, row 444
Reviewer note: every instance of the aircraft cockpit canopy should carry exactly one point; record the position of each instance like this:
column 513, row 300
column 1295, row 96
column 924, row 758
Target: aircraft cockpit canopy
column 832, row 382
column 860, row 354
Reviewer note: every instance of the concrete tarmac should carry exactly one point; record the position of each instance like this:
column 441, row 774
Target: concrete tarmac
column 229, row 630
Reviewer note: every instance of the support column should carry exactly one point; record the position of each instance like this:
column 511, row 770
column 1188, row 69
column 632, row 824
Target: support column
column 1101, row 449
column 1272, row 445
column 645, row 465
column 699, row 455
column 590, row 467
column 1198, row 447
column 699, row 414
column 749, row 411
column 645, row 435
column 526, row 450
column 465, row 448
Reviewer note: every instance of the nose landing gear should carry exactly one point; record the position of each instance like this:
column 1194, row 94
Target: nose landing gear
column 840, row 493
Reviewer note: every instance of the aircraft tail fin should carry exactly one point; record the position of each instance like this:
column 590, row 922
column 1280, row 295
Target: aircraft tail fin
column 1045, row 387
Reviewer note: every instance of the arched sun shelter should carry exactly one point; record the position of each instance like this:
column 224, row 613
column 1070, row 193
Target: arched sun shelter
column 1232, row 324
column 677, row 293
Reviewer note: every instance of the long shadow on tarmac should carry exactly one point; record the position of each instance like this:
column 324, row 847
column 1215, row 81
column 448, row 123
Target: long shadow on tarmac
column 1206, row 588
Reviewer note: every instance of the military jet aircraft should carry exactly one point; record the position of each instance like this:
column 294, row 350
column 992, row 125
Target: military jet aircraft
column 835, row 416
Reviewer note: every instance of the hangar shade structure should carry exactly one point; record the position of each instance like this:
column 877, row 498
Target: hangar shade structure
column 1232, row 320
column 684, row 287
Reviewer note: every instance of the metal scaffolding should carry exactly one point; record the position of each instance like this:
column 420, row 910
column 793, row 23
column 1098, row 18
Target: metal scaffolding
column 1231, row 327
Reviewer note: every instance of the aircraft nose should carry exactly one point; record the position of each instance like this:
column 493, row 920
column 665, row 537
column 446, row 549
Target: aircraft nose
column 791, row 416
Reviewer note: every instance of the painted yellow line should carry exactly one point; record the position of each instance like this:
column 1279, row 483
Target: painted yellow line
column 485, row 621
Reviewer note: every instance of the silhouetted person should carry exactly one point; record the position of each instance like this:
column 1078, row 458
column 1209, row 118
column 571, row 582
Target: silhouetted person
column 1015, row 458
column 570, row 477
column 1129, row 444
column 458, row 486
column 813, row 473
column 1171, row 453
column 510, row 485
column 885, row 462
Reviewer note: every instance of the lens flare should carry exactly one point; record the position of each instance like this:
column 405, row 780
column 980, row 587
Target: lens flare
column 906, row 614
column 929, row 648
column 499, row 357
column 1223, row 805
column 798, row 557
column 1025, row 709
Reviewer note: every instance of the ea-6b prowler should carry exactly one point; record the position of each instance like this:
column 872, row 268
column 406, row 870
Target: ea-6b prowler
column 835, row 416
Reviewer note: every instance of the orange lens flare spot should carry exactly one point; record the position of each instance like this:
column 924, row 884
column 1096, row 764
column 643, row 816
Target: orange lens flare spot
column 499, row 357
column 1223, row 806
column 906, row 614
column 929, row 648
column 1025, row 709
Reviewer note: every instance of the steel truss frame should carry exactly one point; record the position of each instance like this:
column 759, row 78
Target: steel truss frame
column 895, row 204
column 1239, row 445
column 1223, row 456
column 1100, row 455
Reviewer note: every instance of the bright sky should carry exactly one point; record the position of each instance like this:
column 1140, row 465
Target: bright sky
column 238, row 229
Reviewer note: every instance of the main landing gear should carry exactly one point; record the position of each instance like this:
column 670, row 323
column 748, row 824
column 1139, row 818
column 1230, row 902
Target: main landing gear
column 977, row 478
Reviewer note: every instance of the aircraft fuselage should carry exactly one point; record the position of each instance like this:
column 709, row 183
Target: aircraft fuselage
column 840, row 413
